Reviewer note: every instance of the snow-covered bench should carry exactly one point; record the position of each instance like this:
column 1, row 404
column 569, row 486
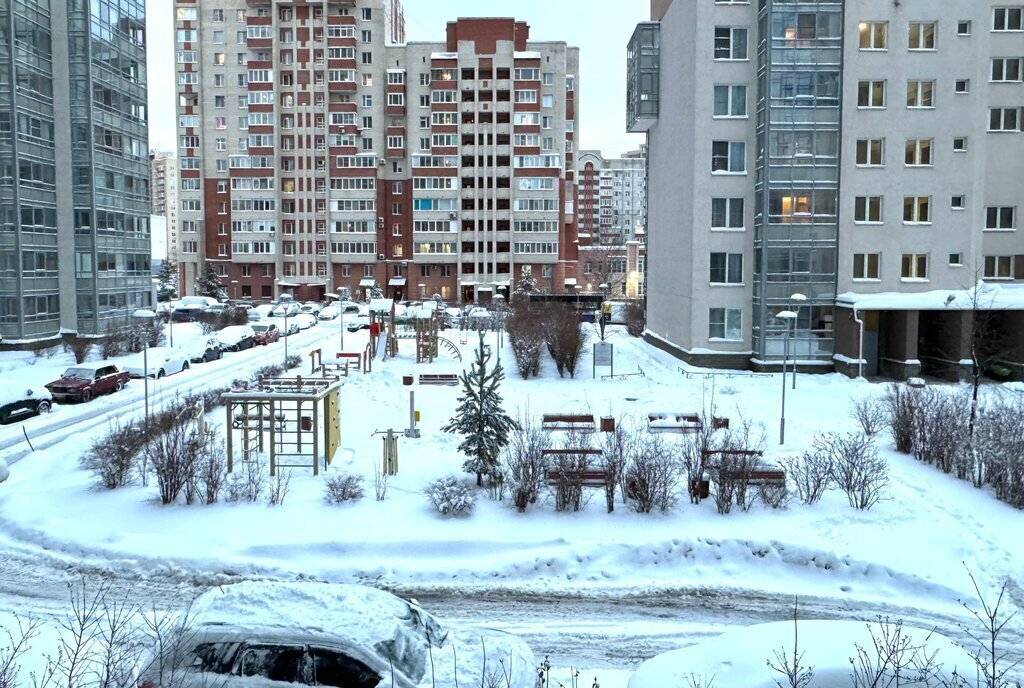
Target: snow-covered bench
column 589, row 478
column 439, row 379
column 681, row 422
column 553, row 421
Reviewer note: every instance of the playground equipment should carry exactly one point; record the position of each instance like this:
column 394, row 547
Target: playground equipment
column 382, row 328
column 295, row 419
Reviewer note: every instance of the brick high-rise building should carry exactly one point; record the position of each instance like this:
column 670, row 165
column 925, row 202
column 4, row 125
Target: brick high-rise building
column 74, row 182
column 318, row 151
column 857, row 163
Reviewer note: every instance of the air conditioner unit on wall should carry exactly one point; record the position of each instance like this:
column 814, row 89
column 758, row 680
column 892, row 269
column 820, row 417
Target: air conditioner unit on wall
column 380, row 256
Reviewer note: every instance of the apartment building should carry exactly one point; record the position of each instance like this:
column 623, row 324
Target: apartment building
column 163, row 194
column 74, row 184
column 319, row 152
column 857, row 165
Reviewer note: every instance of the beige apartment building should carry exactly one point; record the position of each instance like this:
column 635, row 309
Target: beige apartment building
column 163, row 196
column 321, row 152
column 864, row 158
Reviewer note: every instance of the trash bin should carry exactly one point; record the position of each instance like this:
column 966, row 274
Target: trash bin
column 407, row 380
column 307, row 423
column 607, row 423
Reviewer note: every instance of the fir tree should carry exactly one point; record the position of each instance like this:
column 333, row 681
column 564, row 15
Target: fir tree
column 167, row 282
column 208, row 283
column 480, row 418
column 526, row 285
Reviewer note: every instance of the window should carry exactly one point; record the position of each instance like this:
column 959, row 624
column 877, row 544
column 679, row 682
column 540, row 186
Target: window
column 727, row 213
column 999, row 267
column 873, row 35
column 1004, row 119
column 1007, row 18
column 1007, row 68
column 960, row 144
column 865, row 266
column 726, row 268
column 396, row 142
column 728, row 157
column 396, row 99
column 963, row 28
column 730, row 101
column 958, row 202
column 870, row 152
column 867, row 209
column 186, row 13
column 367, row 14
column 1000, row 218
column 871, row 94
column 918, row 152
column 730, row 43
column 922, row 36
column 548, row 79
column 962, row 86
column 956, row 260
column 917, row 209
column 366, row 36
column 914, row 266
column 920, row 94
column 725, row 324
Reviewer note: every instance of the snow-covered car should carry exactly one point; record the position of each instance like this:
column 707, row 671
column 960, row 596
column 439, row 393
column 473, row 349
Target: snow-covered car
column 18, row 400
column 159, row 361
column 329, row 313
column 348, row 636
column 358, row 322
column 237, row 338
column 202, row 350
column 84, row 381
column 304, row 321
column 261, row 312
column 310, row 307
column 266, row 333
column 291, row 308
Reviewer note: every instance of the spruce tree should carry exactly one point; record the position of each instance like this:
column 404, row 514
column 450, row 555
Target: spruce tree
column 526, row 285
column 208, row 283
column 480, row 418
column 167, row 282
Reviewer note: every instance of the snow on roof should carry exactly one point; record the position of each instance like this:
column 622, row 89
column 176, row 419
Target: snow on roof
column 527, row 55
column 444, row 56
column 827, row 646
column 997, row 297
column 381, row 305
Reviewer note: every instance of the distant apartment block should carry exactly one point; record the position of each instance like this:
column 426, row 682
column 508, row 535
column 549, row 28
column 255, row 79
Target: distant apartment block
column 864, row 156
column 74, row 181
column 163, row 186
column 319, row 152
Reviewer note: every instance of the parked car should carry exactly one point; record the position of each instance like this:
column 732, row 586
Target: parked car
column 266, row 333
column 18, row 400
column 280, row 309
column 262, row 312
column 304, row 321
column 348, row 636
column 359, row 322
column 331, row 312
column 87, row 380
column 202, row 350
column 310, row 307
column 237, row 337
column 158, row 362
column 187, row 313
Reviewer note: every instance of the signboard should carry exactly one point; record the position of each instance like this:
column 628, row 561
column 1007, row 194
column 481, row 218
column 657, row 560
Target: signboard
column 603, row 356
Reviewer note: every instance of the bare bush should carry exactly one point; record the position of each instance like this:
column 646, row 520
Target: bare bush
column 894, row 658
column 901, row 403
column 525, row 328
column 380, row 482
column 210, row 474
column 524, row 461
column 451, row 496
column 999, row 446
column 992, row 653
column 113, row 458
column 635, row 317
column 652, row 475
column 343, row 487
column 810, row 473
column 857, row 469
column 941, row 432
column 615, row 449
column 79, row 347
column 871, row 414
column 774, row 495
column 216, row 321
column 565, row 339
column 247, row 484
column 279, row 486
column 693, row 447
column 569, row 469
column 19, row 636
column 172, row 455
column 732, row 478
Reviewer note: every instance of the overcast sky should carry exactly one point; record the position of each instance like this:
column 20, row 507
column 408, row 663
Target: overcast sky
column 600, row 28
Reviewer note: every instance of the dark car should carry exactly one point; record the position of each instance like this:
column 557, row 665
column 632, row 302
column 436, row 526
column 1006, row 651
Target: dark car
column 266, row 333
column 87, row 380
column 18, row 400
column 203, row 350
column 187, row 313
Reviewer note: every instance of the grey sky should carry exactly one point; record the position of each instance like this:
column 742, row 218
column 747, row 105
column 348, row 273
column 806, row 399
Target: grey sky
column 600, row 28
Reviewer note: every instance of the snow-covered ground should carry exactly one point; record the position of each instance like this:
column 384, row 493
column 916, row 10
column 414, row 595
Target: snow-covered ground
column 904, row 553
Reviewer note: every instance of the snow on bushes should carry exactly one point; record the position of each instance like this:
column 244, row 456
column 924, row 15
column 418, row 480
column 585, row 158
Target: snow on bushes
column 451, row 496
column 343, row 487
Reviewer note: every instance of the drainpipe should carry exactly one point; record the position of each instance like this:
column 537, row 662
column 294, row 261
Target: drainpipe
column 860, row 343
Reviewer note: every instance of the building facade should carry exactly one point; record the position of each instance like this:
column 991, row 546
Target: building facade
column 163, row 190
column 319, row 152
column 74, row 183
column 805, row 155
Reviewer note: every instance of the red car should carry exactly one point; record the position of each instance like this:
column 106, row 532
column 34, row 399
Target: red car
column 266, row 334
column 87, row 380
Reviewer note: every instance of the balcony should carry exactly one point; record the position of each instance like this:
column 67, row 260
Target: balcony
column 643, row 66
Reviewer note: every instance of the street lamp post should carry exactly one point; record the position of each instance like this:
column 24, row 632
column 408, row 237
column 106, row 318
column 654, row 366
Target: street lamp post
column 341, row 322
column 788, row 317
column 797, row 300
column 145, row 315
column 286, row 300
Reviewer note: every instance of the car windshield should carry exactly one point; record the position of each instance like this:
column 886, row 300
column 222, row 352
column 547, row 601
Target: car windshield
column 260, row 328
column 80, row 373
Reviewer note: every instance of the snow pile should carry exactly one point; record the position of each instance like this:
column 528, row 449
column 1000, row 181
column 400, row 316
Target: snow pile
column 738, row 659
column 5, row 472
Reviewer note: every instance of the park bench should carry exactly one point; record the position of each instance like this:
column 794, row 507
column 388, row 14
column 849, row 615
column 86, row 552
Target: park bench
column 439, row 379
column 339, row 369
column 713, row 457
column 552, row 421
column 674, row 422
column 589, row 478
column 761, row 476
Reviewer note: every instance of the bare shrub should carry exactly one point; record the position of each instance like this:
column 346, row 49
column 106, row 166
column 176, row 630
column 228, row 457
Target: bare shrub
column 795, row 674
column 810, row 473
column 19, row 636
column 732, row 478
column 279, row 486
column 210, row 474
column 992, row 654
column 635, row 317
column 871, row 414
column 901, row 403
column 172, row 454
column 451, row 496
column 774, row 495
column 652, row 475
column 525, row 328
column 247, row 484
column 857, row 469
column 524, row 461
column 113, row 458
column 343, row 487
column 615, row 449
column 293, row 361
column 941, row 433
column 380, row 482
column 693, row 447
column 999, row 447
column 569, row 469
column 893, row 657
column 565, row 339
column 79, row 347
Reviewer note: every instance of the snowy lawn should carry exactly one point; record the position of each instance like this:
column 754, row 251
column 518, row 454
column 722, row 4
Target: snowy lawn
column 909, row 548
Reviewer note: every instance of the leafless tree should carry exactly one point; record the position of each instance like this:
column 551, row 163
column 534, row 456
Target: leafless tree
column 795, row 674
column 995, row 661
column 636, row 318
column 774, row 495
column 524, row 460
column 565, row 339
column 615, row 448
column 19, row 638
column 857, row 468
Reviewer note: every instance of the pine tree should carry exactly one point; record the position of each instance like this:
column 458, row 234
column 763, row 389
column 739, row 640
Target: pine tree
column 526, row 285
column 480, row 418
column 167, row 282
column 208, row 283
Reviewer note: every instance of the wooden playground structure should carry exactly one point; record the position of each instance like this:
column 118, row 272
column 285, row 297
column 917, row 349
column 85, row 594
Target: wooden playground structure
column 294, row 420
